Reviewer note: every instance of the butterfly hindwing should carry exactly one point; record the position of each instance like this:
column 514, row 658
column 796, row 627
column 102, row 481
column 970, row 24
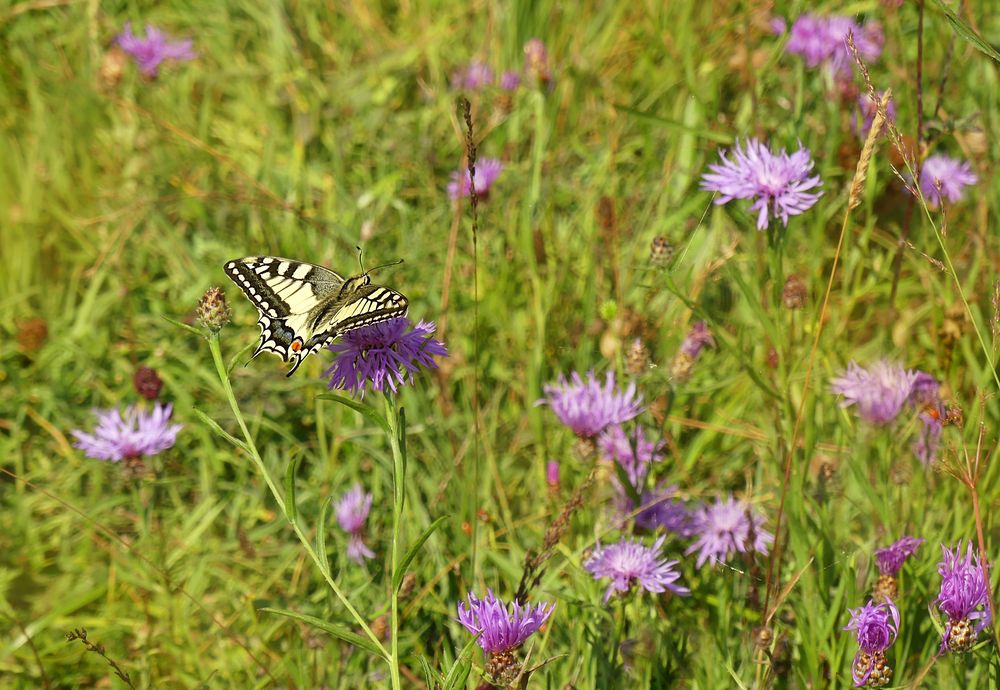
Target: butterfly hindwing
column 302, row 307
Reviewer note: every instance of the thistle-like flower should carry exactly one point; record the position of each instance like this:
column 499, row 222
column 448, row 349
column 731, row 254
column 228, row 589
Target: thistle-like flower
column 823, row 40
column 944, row 178
column 150, row 52
column 510, row 80
column 588, row 408
column 352, row 513
column 473, row 77
column 661, row 509
column 725, row 528
column 504, row 627
column 131, row 436
column 778, row 183
column 487, row 172
column 383, row 355
column 964, row 597
column 875, row 628
column 213, row 310
column 628, row 563
column 878, row 392
column 889, row 560
column 633, row 451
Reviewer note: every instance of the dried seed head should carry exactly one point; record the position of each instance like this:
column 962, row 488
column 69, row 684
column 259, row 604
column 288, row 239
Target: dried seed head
column 213, row 310
column 660, row 251
column 503, row 668
column 408, row 584
column 32, row 334
column 680, row 368
column 112, row 67
column 636, row 358
column 762, row 637
column 147, row 382
column 380, row 627
column 793, row 295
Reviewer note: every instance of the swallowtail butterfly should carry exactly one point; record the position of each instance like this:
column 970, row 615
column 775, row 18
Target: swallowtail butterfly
column 303, row 307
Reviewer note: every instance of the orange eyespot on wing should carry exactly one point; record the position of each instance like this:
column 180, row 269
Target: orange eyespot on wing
column 296, row 346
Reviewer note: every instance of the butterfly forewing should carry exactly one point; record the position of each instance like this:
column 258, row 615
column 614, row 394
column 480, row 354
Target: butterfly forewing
column 303, row 307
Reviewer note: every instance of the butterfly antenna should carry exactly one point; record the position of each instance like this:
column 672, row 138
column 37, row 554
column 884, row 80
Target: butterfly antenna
column 385, row 265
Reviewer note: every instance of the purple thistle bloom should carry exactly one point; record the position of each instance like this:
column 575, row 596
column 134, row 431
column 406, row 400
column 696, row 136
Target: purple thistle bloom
column 473, row 77
column 866, row 113
column 352, row 512
column 661, row 510
column 890, row 559
column 944, row 178
column 385, row 355
column 536, row 61
column 724, row 528
column 879, row 391
column 510, row 80
column 964, row 590
column 632, row 451
column 132, row 435
column 504, row 628
column 154, row 49
column 875, row 627
column 629, row 562
column 589, row 408
column 824, row 40
column 698, row 338
column 487, row 172
column 778, row 183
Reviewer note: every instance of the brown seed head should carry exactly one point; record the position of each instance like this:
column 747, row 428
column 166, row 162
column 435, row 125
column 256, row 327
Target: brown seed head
column 147, row 382
column 213, row 310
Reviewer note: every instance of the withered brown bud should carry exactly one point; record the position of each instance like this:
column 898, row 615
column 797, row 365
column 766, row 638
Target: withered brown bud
column 793, row 295
column 147, row 382
column 213, row 310
column 636, row 358
column 660, row 251
column 112, row 67
column 32, row 334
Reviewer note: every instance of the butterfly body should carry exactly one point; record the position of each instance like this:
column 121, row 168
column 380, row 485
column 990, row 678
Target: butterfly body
column 302, row 307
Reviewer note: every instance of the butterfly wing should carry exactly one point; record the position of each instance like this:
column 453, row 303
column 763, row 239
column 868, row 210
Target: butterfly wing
column 285, row 293
column 359, row 304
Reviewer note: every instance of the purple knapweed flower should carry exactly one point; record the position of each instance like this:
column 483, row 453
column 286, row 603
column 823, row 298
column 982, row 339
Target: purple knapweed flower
column 659, row 508
column 875, row 628
column 588, row 408
column 724, row 529
column 383, row 355
column 504, row 628
column 536, row 61
column 510, row 80
column 943, row 178
column 964, row 597
column 866, row 113
column 824, row 40
column 629, row 562
column 130, row 436
column 487, row 172
column 633, row 451
column 890, row 559
column 150, row 52
column 778, row 183
column 879, row 392
column 352, row 512
column 697, row 339
column 473, row 77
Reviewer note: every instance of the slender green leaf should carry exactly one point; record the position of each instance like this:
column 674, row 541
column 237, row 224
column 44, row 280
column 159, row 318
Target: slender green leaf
column 214, row 426
column 290, row 509
column 335, row 630
column 967, row 32
column 719, row 137
column 357, row 406
column 431, row 677
column 402, row 437
column 461, row 669
column 397, row 577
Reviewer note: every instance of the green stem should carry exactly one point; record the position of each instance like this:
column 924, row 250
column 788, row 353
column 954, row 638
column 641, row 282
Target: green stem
column 324, row 568
column 398, row 498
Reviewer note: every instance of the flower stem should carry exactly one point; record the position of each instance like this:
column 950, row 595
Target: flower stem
column 324, row 568
column 398, row 497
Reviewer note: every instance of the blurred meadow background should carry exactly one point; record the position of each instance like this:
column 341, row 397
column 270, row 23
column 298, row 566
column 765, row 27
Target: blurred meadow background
column 134, row 165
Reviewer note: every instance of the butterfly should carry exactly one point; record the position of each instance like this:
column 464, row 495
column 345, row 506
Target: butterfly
column 303, row 307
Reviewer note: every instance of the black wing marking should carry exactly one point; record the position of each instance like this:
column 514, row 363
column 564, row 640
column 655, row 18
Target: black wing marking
column 369, row 304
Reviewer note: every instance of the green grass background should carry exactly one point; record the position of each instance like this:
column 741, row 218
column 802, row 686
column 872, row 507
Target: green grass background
column 303, row 131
